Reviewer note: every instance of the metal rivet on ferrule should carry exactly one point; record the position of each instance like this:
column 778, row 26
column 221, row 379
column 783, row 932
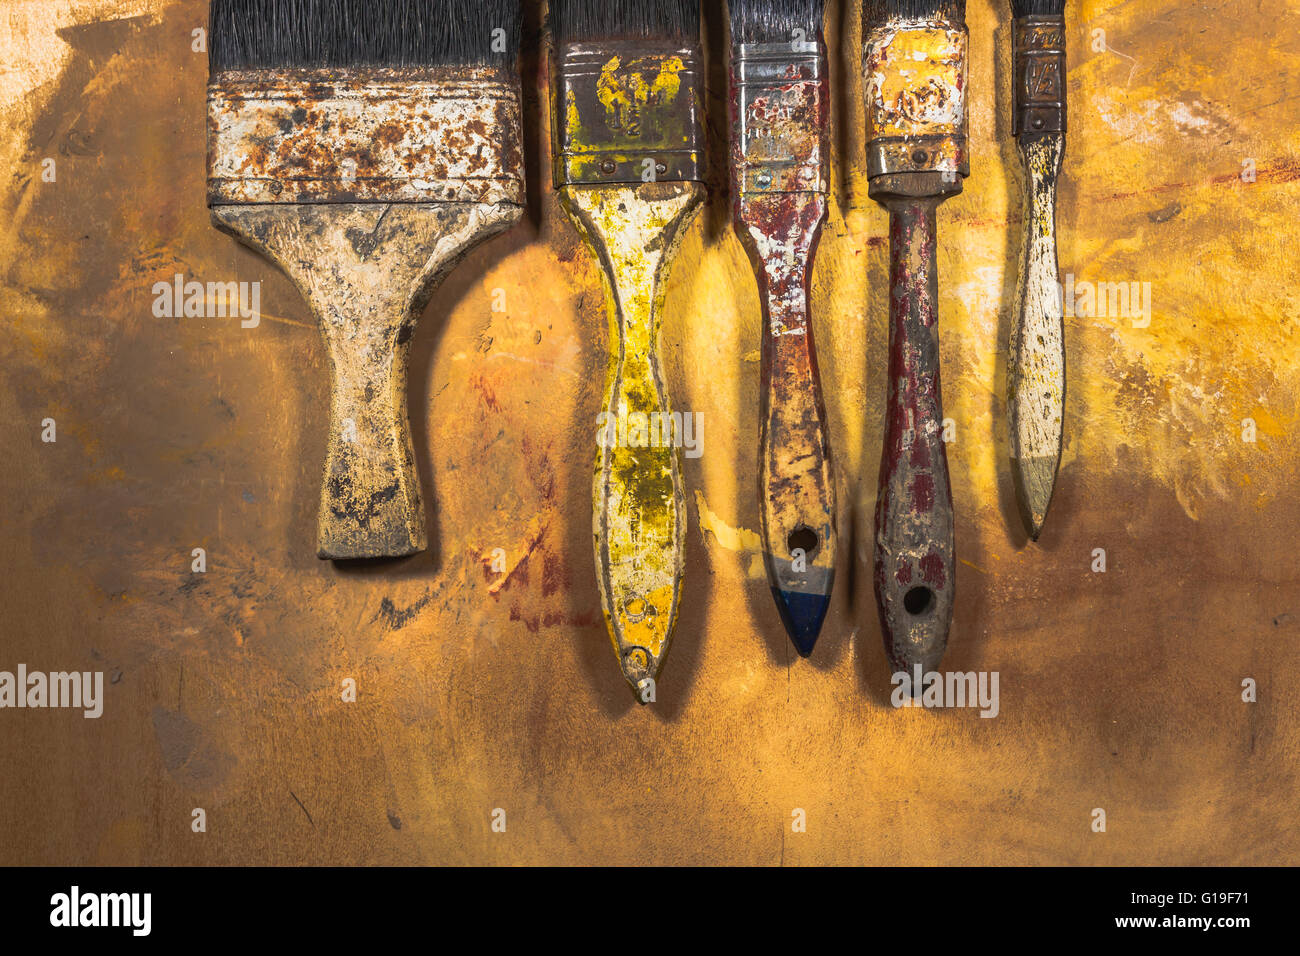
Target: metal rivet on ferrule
column 660, row 168
column 920, row 156
column 277, row 188
column 763, row 181
column 608, row 167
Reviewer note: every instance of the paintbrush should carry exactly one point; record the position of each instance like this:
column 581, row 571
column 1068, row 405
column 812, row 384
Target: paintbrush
column 1036, row 364
column 365, row 149
column 780, row 112
column 914, row 65
column 628, row 147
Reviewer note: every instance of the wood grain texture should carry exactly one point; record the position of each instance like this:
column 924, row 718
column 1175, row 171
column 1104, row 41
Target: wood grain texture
column 481, row 689
column 1036, row 361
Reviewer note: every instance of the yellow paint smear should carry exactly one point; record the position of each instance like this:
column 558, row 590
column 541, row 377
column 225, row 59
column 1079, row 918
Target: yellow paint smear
column 733, row 539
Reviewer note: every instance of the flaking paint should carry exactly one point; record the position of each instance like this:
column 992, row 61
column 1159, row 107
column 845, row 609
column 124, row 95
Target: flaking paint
column 510, row 699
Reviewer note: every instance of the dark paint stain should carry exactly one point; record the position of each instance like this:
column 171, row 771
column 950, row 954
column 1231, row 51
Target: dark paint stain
column 485, row 390
column 933, row 570
column 922, row 493
column 519, row 573
column 1165, row 214
column 555, row 619
column 555, row 574
column 301, row 807
column 398, row 619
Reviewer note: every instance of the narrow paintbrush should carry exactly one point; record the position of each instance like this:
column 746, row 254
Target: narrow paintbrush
column 780, row 111
column 914, row 67
column 1036, row 364
column 628, row 141
column 365, row 148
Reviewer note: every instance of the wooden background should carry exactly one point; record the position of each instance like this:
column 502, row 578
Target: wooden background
column 477, row 690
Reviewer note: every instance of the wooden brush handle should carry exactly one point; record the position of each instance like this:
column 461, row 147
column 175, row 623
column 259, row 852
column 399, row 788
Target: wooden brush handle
column 797, row 495
column 639, row 504
column 366, row 271
column 914, row 520
column 1036, row 363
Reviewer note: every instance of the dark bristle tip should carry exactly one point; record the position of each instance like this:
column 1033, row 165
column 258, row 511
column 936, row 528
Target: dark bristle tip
column 878, row 11
column 774, row 21
column 306, row 34
column 1037, row 8
column 673, row 21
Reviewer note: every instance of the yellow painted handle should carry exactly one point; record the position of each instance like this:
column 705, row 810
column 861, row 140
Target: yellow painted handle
column 639, row 507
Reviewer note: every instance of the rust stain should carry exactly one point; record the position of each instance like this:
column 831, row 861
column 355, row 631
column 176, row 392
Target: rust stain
column 391, row 135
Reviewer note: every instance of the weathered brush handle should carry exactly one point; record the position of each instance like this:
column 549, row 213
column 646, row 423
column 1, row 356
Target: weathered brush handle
column 366, row 271
column 1036, row 363
column 1036, row 360
column 914, row 519
column 639, row 504
column 797, row 494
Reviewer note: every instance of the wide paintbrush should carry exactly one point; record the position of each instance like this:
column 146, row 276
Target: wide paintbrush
column 780, row 113
column 365, row 148
column 1036, row 364
column 915, row 69
column 628, row 146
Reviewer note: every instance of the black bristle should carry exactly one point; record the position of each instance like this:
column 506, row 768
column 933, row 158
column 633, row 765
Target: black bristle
column 877, row 11
column 293, row 34
column 675, row 21
column 1037, row 8
column 774, row 21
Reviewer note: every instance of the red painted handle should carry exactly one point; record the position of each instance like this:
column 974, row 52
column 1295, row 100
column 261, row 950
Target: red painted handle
column 797, row 505
column 914, row 523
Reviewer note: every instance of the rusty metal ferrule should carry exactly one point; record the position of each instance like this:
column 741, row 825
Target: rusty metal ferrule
column 1039, row 49
column 627, row 119
column 915, row 76
column 361, row 136
column 780, row 106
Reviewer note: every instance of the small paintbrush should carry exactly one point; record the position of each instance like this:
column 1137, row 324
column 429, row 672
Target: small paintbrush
column 1036, row 363
column 915, row 69
column 780, row 112
column 365, row 148
column 628, row 142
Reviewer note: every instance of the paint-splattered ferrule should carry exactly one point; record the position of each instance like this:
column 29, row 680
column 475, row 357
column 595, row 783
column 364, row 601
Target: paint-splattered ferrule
column 914, row 75
column 424, row 135
column 622, row 119
column 780, row 110
column 1039, row 50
